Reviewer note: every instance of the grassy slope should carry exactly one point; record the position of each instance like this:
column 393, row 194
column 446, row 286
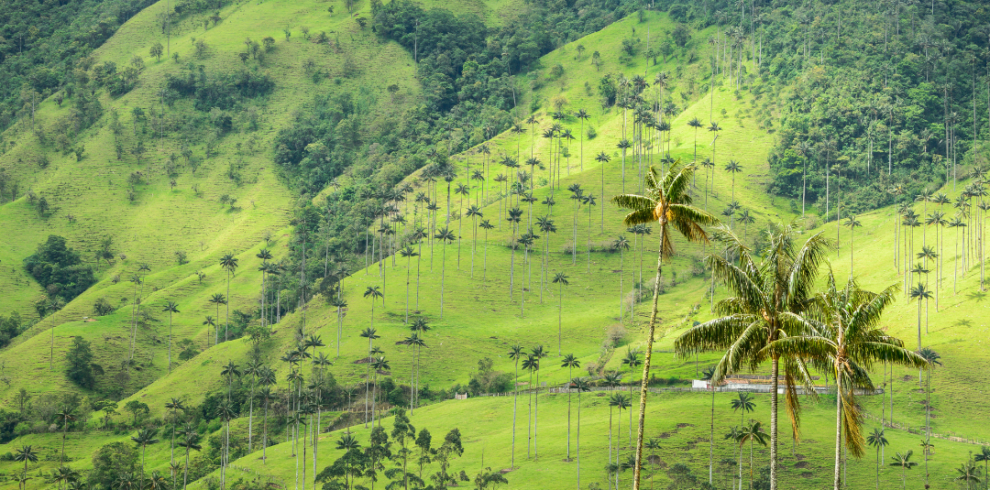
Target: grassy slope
column 590, row 308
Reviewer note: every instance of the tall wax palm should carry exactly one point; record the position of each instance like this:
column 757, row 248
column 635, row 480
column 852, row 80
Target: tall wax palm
column 852, row 223
column 921, row 293
column 602, row 159
column 621, row 244
column 531, row 363
column 339, row 304
column 707, row 375
column 589, row 202
column 370, row 334
column 632, row 361
column 408, row 253
column 846, row 341
column 695, row 124
column 516, row 353
column 487, row 226
column 581, row 385
column 577, row 195
column 560, row 279
column 667, row 203
column 254, row 368
column 65, row 414
column 173, row 406
column 515, row 216
column 877, row 440
column 265, row 255
column 374, row 293
column 190, row 442
column 143, row 439
column 733, row 168
column 620, row 402
column 445, row 236
column 267, row 379
column 624, row 145
column 767, row 302
column 744, row 404
column 170, row 307
column 752, row 433
column 210, row 322
column 903, row 461
column 26, row 455
column 968, row 474
column 420, row 327
column 229, row 264
column 474, row 212
column 984, row 457
column 379, row 365
column 713, row 128
column 582, row 115
column 931, row 359
column 570, row 362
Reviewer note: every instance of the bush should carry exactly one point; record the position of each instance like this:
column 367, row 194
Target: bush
column 59, row 269
column 102, row 307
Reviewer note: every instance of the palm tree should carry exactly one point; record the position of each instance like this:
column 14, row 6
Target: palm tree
column 847, row 340
column 210, row 323
column 668, row 203
column 752, row 433
column 487, row 226
column 143, row 439
column 560, row 279
column 531, row 363
column 445, row 236
column 603, row 158
column 769, row 298
column 852, row 223
column 408, row 253
column 695, row 124
column 340, row 304
column 569, row 362
column 582, row 115
column 515, row 216
column 621, row 244
column 713, row 128
column 170, row 307
column 190, row 441
column 984, row 456
column 733, row 168
column 380, row 364
column 632, row 361
column 226, row 413
column 903, row 461
column 265, row 255
column 878, row 441
column 174, row 405
column 229, row 264
column 968, row 474
column 370, row 334
column 931, row 359
column 920, row 293
column 66, row 415
column 267, row 380
column 579, row 384
column 623, row 145
column 516, row 353
column 620, row 402
column 217, row 300
column 374, row 292
column 474, row 212
column 744, row 404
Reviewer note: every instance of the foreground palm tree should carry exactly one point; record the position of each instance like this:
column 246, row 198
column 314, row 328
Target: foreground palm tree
column 847, row 340
column 370, row 334
column 752, row 433
column 667, row 203
column 217, row 300
column 143, row 439
column 768, row 301
column 190, row 441
column 445, row 236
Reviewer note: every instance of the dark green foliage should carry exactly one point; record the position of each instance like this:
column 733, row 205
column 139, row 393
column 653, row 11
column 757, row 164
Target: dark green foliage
column 59, row 269
column 43, row 41
column 224, row 91
column 110, row 461
column 79, row 360
column 10, row 327
column 842, row 73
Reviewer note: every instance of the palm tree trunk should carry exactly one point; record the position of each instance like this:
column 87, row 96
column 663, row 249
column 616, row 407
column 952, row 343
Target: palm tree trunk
column 711, row 441
column 515, row 404
column 443, row 276
column 264, row 438
column 838, row 430
column 578, row 447
column 773, row 423
column 644, row 383
column 226, row 327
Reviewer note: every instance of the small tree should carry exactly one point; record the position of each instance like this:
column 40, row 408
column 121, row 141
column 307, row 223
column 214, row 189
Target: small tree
column 157, row 50
column 269, row 43
column 79, row 360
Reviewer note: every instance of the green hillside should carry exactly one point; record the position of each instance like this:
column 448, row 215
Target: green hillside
column 479, row 294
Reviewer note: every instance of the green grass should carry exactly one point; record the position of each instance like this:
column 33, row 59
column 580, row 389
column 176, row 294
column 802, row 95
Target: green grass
column 479, row 320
